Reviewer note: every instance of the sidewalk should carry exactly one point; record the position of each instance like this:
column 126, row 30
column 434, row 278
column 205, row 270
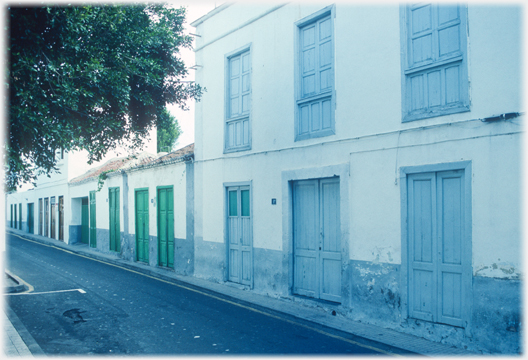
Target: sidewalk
column 287, row 306
column 17, row 341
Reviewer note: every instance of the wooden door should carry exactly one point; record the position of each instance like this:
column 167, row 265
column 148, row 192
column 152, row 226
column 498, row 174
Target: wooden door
column 61, row 218
column 316, row 238
column 436, row 240
column 165, row 227
column 52, row 218
column 239, row 235
column 142, row 226
column 93, row 224
column 46, row 217
column 30, row 218
column 115, row 230
column 40, row 216
column 85, row 221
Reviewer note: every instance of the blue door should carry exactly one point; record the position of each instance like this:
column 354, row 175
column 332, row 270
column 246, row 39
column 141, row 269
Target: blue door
column 239, row 235
column 316, row 239
column 438, row 259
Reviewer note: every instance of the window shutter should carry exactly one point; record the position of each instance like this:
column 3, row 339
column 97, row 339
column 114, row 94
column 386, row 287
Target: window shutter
column 436, row 80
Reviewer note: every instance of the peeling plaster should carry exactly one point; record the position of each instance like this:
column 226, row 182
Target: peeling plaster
column 501, row 270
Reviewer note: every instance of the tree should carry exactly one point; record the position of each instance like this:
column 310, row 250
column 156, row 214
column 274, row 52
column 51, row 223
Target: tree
column 89, row 77
column 168, row 131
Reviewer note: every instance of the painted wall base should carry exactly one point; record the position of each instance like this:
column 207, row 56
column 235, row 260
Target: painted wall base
column 209, row 261
column 183, row 257
column 75, row 233
column 268, row 276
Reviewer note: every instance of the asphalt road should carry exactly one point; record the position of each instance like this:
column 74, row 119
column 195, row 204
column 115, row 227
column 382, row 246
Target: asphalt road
column 83, row 306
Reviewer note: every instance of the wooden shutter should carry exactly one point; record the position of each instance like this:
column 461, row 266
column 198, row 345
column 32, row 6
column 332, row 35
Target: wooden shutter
column 436, row 79
column 316, row 61
column 239, row 89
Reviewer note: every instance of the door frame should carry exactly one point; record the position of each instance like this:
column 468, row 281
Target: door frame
column 228, row 185
column 467, row 267
column 342, row 171
column 136, row 226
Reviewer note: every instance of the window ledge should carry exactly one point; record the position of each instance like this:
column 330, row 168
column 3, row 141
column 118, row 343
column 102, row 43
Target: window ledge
column 435, row 113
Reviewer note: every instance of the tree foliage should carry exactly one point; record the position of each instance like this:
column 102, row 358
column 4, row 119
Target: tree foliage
column 89, row 77
column 168, row 131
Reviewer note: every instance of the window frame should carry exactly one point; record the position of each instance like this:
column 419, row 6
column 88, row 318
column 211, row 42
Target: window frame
column 441, row 63
column 328, row 11
column 227, row 103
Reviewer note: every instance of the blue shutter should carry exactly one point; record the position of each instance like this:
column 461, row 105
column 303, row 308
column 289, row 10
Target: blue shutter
column 237, row 132
column 316, row 61
column 435, row 70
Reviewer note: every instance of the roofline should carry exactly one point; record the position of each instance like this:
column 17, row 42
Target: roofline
column 210, row 14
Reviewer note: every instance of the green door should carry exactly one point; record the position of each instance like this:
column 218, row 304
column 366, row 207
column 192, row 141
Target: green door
column 115, row 232
column 93, row 228
column 30, row 218
column 142, row 226
column 85, row 226
column 165, row 227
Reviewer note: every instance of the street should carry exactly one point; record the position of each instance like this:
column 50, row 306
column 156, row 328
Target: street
column 79, row 305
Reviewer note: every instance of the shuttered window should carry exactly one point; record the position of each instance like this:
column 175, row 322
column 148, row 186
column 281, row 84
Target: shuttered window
column 238, row 101
column 435, row 80
column 315, row 99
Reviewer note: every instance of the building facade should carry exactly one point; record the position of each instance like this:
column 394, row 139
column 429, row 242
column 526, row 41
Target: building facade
column 366, row 158
column 138, row 208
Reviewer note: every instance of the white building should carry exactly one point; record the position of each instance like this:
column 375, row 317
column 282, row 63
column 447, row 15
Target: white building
column 366, row 156
column 138, row 208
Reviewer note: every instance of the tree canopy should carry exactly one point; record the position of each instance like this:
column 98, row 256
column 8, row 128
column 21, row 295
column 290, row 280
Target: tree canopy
column 89, row 77
column 168, row 131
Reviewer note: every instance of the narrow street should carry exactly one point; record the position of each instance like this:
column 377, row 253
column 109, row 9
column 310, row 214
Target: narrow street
column 83, row 306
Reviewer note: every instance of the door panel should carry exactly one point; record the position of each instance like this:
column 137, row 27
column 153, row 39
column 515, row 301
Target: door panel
column 93, row 224
column 61, row 218
column 450, row 187
column 166, row 227
column 53, row 217
column 142, row 226
column 115, row 229
column 46, row 217
column 316, row 238
column 41, row 216
column 330, row 251
column 85, row 221
column 31, row 219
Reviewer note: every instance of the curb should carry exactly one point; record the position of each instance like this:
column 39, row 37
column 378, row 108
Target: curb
column 32, row 345
column 17, row 288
